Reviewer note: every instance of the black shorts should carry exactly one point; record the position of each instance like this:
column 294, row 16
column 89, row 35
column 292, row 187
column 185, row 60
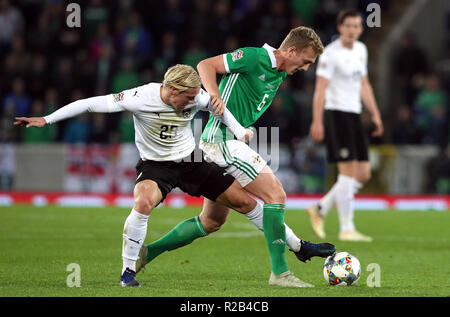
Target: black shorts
column 345, row 138
column 194, row 178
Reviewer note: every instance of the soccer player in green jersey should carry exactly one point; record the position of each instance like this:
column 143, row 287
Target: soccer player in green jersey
column 251, row 78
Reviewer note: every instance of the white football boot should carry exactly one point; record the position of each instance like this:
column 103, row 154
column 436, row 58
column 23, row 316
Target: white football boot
column 353, row 235
column 287, row 279
column 316, row 221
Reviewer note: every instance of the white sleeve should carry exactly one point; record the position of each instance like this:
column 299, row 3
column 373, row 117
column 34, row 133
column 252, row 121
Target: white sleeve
column 230, row 121
column 365, row 61
column 325, row 67
column 93, row 104
column 203, row 101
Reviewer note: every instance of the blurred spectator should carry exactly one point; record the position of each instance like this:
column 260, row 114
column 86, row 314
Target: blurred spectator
column 77, row 129
column 7, row 165
column 42, row 36
column 404, row 129
column 126, row 126
column 135, row 40
column 438, row 170
column 306, row 9
column 167, row 55
column 37, row 76
column 410, row 64
column 194, row 54
column 221, row 27
column 98, row 132
column 39, row 135
column 126, row 78
column 64, row 78
column 95, row 14
column 11, row 25
column 200, row 18
column 18, row 100
column 430, row 112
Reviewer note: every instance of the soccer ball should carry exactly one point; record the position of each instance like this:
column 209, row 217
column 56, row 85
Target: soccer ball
column 342, row 268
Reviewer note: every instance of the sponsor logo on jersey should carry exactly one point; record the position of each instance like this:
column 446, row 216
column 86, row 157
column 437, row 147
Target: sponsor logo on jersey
column 262, row 77
column 118, row 97
column 237, row 55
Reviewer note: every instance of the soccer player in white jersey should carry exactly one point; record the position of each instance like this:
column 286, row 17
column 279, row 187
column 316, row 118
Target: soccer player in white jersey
column 342, row 83
column 162, row 115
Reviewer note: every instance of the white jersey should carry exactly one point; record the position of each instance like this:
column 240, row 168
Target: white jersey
column 161, row 132
column 344, row 68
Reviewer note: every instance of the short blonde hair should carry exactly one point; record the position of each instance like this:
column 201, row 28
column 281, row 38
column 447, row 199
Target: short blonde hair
column 303, row 37
column 182, row 77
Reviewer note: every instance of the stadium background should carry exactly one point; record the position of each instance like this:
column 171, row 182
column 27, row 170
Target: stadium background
column 124, row 43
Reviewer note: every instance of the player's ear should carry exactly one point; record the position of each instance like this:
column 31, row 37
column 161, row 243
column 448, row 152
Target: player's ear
column 174, row 91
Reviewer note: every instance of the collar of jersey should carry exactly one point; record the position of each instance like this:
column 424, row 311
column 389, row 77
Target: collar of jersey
column 270, row 50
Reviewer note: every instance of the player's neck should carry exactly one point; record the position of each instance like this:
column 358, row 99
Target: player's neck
column 279, row 60
column 164, row 95
column 347, row 44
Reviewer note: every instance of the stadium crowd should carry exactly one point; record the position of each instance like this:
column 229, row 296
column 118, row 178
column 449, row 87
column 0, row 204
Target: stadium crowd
column 125, row 43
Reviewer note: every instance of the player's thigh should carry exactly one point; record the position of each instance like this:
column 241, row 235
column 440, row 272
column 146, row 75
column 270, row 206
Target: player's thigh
column 147, row 196
column 347, row 168
column 267, row 187
column 239, row 160
column 213, row 215
column 237, row 198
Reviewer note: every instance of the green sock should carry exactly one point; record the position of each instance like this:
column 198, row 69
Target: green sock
column 275, row 233
column 183, row 234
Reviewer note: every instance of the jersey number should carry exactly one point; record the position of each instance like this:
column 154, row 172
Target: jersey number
column 165, row 128
column 262, row 103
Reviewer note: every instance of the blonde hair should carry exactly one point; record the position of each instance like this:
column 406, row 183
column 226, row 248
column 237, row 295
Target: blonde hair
column 182, row 77
column 303, row 37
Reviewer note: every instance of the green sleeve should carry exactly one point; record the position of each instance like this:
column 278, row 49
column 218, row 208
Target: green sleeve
column 242, row 60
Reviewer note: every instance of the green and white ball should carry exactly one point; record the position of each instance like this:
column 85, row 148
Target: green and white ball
column 342, row 268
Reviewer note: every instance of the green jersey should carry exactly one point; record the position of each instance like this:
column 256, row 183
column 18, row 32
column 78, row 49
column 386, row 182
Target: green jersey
column 247, row 89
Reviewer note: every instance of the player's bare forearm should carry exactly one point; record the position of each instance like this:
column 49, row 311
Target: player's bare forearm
column 316, row 130
column 208, row 70
column 368, row 99
column 30, row 122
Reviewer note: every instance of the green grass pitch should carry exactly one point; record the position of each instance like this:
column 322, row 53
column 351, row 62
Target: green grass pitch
column 37, row 244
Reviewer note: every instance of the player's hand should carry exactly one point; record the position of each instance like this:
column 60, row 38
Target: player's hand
column 217, row 105
column 379, row 129
column 316, row 132
column 30, row 122
column 248, row 135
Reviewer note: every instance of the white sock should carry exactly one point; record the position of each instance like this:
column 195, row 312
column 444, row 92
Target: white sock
column 256, row 217
column 134, row 233
column 328, row 201
column 345, row 198
column 356, row 186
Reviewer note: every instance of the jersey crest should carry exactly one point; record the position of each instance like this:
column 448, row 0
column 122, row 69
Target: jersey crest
column 237, row 55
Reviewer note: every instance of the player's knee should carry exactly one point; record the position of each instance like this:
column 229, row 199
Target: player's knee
column 364, row 177
column 144, row 204
column 210, row 225
column 244, row 203
column 276, row 194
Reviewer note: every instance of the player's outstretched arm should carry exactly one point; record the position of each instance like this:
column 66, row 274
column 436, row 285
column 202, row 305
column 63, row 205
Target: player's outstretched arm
column 93, row 104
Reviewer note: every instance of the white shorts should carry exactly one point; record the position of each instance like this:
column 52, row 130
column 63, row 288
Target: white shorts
column 238, row 159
